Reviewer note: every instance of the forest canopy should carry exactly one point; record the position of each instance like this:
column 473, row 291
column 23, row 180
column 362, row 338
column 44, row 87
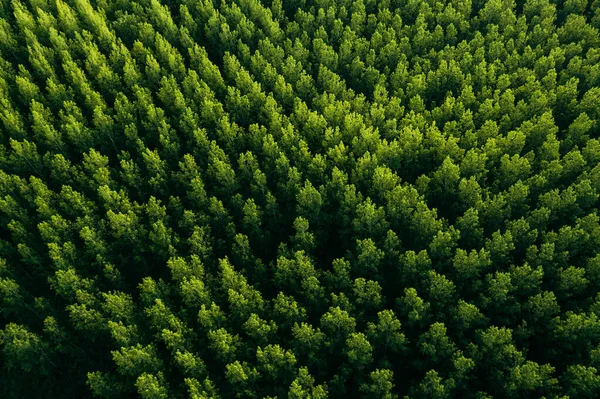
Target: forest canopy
column 271, row 199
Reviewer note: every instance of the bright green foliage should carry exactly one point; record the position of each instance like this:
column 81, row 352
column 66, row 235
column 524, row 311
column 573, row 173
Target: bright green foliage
column 299, row 199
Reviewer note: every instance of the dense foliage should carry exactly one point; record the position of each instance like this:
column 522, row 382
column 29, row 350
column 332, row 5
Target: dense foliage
column 301, row 199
